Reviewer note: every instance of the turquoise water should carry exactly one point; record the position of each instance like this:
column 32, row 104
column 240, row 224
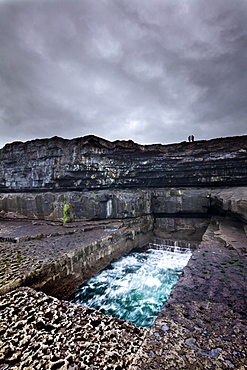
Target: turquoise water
column 134, row 287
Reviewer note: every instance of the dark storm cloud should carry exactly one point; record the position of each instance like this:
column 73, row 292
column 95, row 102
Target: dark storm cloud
column 152, row 71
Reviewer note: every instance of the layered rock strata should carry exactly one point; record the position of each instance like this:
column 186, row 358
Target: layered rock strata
column 93, row 163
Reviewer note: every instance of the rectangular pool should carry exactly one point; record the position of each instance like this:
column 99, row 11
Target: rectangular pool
column 135, row 287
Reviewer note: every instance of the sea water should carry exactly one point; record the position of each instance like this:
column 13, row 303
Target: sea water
column 135, row 287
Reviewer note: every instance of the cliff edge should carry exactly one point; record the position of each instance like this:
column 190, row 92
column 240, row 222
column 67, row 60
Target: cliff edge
column 90, row 162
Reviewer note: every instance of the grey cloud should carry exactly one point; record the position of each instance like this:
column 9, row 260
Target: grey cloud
column 150, row 71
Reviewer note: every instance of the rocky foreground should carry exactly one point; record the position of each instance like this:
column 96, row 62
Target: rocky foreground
column 202, row 326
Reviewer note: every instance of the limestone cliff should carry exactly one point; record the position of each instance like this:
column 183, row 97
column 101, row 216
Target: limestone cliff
column 91, row 163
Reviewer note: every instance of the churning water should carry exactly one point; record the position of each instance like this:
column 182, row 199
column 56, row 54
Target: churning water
column 135, row 287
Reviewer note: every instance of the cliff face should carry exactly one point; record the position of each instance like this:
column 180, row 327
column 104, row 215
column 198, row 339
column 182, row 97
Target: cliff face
column 92, row 163
column 102, row 204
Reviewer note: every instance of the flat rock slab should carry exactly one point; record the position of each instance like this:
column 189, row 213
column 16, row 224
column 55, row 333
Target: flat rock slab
column 18, row 231
column 27, row 248
column 23, row 230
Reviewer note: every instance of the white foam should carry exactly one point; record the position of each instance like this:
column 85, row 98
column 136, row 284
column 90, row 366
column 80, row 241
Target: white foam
column 152, row 281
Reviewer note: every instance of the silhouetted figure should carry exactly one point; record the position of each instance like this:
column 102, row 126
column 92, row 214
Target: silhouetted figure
column 191, row 138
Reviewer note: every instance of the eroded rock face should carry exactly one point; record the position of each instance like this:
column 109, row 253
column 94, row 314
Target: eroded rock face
column 104, row 204
column 232, row 200
column 175, row 228
column 41, row 332
column 93, row 163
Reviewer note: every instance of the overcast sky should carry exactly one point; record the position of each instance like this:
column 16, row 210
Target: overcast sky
column 154, row 71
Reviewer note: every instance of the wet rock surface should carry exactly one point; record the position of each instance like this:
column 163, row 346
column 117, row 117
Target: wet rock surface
column 197, row 335
column 185, row 229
